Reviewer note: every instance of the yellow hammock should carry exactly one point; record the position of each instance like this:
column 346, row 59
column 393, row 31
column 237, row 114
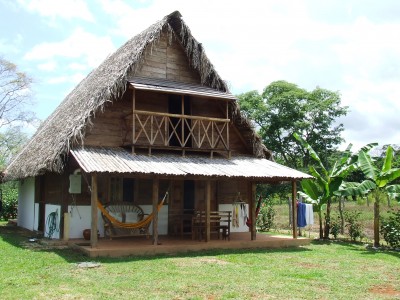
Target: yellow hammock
column 139, row 224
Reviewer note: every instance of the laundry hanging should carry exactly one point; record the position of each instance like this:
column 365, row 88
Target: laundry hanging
column 309, row 214
column 301, row 215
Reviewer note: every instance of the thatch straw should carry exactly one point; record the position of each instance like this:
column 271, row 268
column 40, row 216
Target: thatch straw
column 65, row 127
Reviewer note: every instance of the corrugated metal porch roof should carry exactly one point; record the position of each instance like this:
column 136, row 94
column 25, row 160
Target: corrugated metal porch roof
column 118, row 160
column 168, row 86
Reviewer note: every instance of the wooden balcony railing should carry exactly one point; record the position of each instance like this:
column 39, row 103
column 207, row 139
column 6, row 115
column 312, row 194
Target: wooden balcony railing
column 155, row 129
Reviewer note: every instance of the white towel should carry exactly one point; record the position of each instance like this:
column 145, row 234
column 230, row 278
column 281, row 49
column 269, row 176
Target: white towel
column 309, row 214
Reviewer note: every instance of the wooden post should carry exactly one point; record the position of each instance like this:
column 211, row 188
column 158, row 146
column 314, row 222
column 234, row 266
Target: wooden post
column 208, row 205
column 93, row 232
column 155, row 211
column 133, row 119
column 294, row 210
column 227, row 129
column 182, row 121
column 251, row 190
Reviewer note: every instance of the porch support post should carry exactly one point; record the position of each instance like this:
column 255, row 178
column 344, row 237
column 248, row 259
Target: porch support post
column 133, row 120
column 208, row 205
column 155, row 210
column 294, row 209
column 252, row 207
column 93, row 201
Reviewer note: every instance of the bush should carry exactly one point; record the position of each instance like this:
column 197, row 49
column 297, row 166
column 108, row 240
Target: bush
column 335, row 227
column 354, row 226
column 390, row 229
column 266, row 217
column 9, row 201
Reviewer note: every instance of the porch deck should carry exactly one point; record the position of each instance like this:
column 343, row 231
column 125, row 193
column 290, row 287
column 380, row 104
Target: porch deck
column 172, row 245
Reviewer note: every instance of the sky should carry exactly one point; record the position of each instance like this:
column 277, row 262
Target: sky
column 349, row 46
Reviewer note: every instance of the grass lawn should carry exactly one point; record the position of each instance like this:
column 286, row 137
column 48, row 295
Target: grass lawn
column 319, row 271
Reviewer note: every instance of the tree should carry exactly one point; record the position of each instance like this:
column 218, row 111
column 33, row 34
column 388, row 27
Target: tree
column 283, row 109
column 378, row 180
column 327, row 182
column 15, row 96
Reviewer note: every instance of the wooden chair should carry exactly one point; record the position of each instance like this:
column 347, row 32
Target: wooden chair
column 220, row 223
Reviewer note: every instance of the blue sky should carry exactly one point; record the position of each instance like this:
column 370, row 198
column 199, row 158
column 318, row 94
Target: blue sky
column 348, row 46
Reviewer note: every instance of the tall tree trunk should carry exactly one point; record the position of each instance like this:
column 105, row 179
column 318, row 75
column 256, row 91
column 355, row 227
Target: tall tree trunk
column 367, row 201
column 327, row 219
column 376, row 222
column 388, row 201
column 341, row 207
column 321, row 233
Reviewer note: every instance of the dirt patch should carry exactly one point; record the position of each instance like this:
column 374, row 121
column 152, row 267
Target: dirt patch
column 384, row 289
column 309, row 265
column 199, row 261
column 213, row 261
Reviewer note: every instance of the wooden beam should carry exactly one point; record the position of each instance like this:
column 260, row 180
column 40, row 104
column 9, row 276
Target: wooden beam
column 154, row 113
column 252, row 207
column 133, row 119
column 208, row 206
column 155, row 210
column 294, row 209
column 93, row 202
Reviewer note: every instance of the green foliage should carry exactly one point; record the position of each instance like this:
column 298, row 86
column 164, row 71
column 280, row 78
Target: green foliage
column 390, row 229
column 327, row 182
column 354, row 227
column 266, row 217
column 283, row 109
column 336, row 226
column 10, row 201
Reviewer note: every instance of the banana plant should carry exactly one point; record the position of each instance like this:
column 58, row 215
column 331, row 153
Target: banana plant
column 321, row 190
column 375, row 180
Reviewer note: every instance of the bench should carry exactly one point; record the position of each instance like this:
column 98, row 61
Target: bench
column 220, row 223
column 126, row 213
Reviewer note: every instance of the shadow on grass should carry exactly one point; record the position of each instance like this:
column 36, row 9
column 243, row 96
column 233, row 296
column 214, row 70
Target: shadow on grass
column 19, row 238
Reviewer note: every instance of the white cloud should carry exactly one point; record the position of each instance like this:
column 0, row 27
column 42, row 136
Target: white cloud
column 73, row 79
column 77, row 66
column 80, row 45
column 48, row 66
column 11, row 46
column 66, row 9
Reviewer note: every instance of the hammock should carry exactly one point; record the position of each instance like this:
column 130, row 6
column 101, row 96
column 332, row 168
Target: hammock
column 248, row 222
column 136, row 225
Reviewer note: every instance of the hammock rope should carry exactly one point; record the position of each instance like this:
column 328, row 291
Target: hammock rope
column 136, row 225
column 248, row 222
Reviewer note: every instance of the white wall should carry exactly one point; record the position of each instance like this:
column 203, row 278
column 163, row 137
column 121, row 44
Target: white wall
column 26, row 204
column 50, row 208
column 242, row 213
column 80, row 219
column 162, row 218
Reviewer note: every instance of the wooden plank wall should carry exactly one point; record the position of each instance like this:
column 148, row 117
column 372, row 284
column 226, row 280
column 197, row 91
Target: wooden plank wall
column 167, row 62
column 227, row 191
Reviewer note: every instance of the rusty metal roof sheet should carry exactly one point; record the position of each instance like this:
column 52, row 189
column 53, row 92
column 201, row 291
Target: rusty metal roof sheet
column 118, row 160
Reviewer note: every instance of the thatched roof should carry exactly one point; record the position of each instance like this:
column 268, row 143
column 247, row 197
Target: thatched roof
column 65, row 127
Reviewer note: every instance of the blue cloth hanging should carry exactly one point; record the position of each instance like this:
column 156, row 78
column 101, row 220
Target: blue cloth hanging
column 301, row 215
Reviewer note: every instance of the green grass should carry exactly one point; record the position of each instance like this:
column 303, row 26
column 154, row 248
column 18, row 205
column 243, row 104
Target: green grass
column 318, row 271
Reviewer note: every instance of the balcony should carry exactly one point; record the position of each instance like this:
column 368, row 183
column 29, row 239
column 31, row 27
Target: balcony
column 156, row 130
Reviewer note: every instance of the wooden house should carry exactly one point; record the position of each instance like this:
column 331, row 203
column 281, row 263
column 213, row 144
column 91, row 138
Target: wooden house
column 153, row 117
